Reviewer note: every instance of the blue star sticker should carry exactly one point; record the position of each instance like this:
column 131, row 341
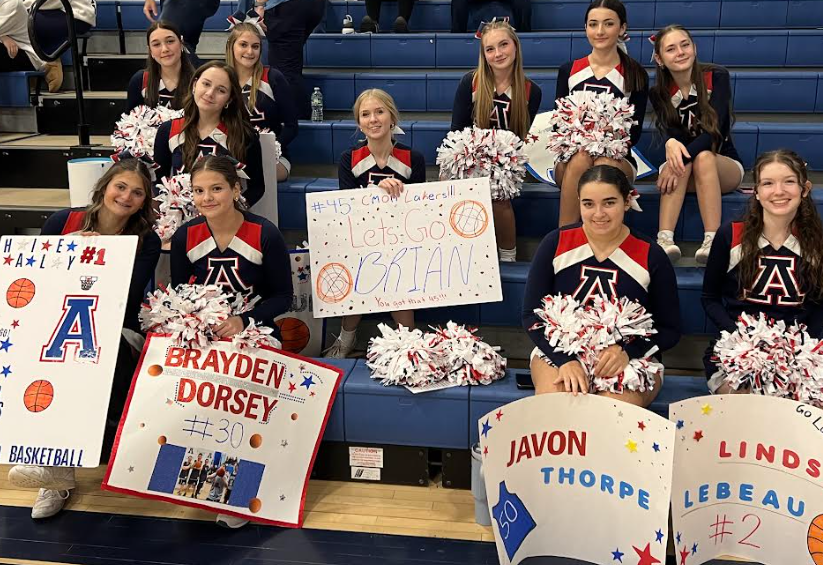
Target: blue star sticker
column 5, row 344
column 6, row 370
column 307, row 382
column 694, row 549
column 71, row 246
column 659, row 534
column 30, row 261
column 617, row 555
column 680, row 424
column 656, row 448
column 302, row 276
column 677, row 537
column 486, row 428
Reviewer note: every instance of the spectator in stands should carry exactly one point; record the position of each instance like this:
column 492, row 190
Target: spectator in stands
column 188, row 16
column 601, row 256
column 381, row 161
column 120, row 205
column 231, row 247
column 266, row 93
column 401, row 23
column 693, row 112
column 288, row 24
column 498, row 95
column 608, row 68
column 216, row 121
column 521, row 14
column 166, row 79
column 771, row 261
column 50, row 28
column 18, row 54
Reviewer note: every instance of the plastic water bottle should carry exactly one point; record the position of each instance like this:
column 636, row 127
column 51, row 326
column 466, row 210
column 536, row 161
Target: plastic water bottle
column 317, row 105
column 348, row 25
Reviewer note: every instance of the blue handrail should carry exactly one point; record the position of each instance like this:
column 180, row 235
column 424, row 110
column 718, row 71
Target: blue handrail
column 71, row 42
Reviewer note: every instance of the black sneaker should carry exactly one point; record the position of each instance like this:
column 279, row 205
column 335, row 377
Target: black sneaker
column 401, row 25
column 368, row 25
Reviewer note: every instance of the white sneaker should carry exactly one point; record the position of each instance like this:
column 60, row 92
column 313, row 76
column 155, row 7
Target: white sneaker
column 33, row 476
column 671, row 249
column 231, row 522
column 338, row 349
column 49, row 502
column 702, row 254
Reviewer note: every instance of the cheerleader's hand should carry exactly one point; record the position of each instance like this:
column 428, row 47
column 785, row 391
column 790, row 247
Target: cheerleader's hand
column 150, row 10
column 230, row 326
column 666, row 180
column 611, row 362
column 393, row 186
column 11, row 46
column 675, row 151
column 87, row 233
column 573, row 377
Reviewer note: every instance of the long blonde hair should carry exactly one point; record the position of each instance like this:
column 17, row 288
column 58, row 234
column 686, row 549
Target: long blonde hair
column 384, row 97
column 257, row 73
column 483, row 83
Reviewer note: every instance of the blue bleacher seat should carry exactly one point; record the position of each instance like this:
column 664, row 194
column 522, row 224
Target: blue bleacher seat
column 802, row 12
column 507, row 313
column 761, row 48
column 15, row 88
column 336, row 424
column 403, row 50
column 818, row 107
column 337, row 89
column 689, row 288
column 291, row 203
column 805, row 139
column 334, row 50
column 314, row 144
column 676, row 389
column 691, row 14
column 440, row 89
column 805, row 47
column 753, row 13
column 459, row 50
column 427, row 137
column 394, row 416
column 344, row 136
column 336, row 10
column 106, row 15
column 548, row 86
column 428, row 16
column 408, row 90
column 775, row 92
column 485, row 398
column 546, row 49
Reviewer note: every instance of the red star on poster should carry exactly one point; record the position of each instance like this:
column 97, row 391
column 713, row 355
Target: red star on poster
column 292, row 387
column 46, row 246
column 684, row 553
column 15, row 323
column 698, row 435
column 7, row 260
column 312, row 393
column 499, row 415
column 485, row 450
column 646, row 557
column 641, row 425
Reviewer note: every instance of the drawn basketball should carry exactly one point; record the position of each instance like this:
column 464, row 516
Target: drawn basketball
column 38, row 396
column 294, row 416
column 162, row 440
column 294, row 334
column 20, row 293
column 334, row 283
column 815, row 540
column 155, row 370
column 469, row 218
column 255, row 505
column 256, row 441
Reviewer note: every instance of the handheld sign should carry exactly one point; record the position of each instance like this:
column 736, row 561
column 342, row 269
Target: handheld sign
column 300, row 331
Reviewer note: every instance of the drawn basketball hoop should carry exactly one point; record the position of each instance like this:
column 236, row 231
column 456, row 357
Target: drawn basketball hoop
column 469, row 218
column 87, row 281
column 334, row 283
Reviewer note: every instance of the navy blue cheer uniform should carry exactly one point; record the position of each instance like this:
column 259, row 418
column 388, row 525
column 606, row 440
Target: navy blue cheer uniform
column 638, row 270
column 501, row 111
column 168, row 154
column 578, row 75
column 255, row 263
column 138, row 84
column 688, row 131
column 274, row 109
column 358, row 167
column 777, row 291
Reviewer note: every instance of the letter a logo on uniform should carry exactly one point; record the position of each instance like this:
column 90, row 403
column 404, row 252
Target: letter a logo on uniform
column 76, row 327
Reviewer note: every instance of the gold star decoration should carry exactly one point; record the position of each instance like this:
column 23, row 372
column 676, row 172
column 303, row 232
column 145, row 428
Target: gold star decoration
column 631, row 445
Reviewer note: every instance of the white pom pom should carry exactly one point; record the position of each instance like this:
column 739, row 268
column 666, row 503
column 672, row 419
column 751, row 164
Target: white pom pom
column 136, row 130
column 176, row 205
column 595, row 122
column 808, row 368
column 404, row 357
column 561, row 323
column 254, row 337
column 494, row 153
column 467, row 359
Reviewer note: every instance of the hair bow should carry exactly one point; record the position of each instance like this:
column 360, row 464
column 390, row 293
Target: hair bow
column 479, row 33
column 621, row 42
column 150, row 164
column 633, row 197
column 241, row 17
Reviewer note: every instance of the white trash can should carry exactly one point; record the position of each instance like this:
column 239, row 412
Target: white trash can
column 481, row 504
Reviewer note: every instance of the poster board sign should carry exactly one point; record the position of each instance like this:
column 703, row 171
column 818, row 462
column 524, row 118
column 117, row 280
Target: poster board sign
column 227, row 431
column 300, row 331
column 747, row 480
column 267, row 205
column 433, row 246
column 582, row 477
column 60, row 321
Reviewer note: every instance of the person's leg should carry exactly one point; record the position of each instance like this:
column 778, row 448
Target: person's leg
column 522, row 15
column 51, row 31
column 544, row 375
column 714, row 175
column 670, row 205
column 567, row 176
column 404, row 9
column 189, row 16
column 460, row 15
column 373, row 9
column 642, row 399
column 505, row 229
column 345, row 342
column 20, row 63
column 404, row 318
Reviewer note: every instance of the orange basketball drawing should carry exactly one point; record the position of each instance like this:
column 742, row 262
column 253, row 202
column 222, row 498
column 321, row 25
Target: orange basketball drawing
column 38, row 396
column 815, row 540
column 255, row 505
column 334, row 283
column 20, row 293
column 256, row 441
column 294, row 334
column 469, row 218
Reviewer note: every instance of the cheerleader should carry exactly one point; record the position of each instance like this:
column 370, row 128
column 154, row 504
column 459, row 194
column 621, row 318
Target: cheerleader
column 763, row 263
column 608, row 68
column 215, row 122
column 382, row 161
column 167, row 76
column 601, row 256
column 265, row 90
column 120, row 205
column 692, row 107
column 498, row 95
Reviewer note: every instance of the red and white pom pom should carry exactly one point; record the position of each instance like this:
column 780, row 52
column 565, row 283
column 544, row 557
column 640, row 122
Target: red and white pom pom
column 561, row 323
column 135, row 131
column 595, row 122
column 404, row 357
column 188, row 313
column 634, row 196
column 475, row 153
column 468, row 360
column 253, row 337
column 176, row 205
column 808, row 368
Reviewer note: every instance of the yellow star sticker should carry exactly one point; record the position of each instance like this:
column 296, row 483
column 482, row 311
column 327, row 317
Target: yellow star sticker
column 706, row 409
column 631, row 446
